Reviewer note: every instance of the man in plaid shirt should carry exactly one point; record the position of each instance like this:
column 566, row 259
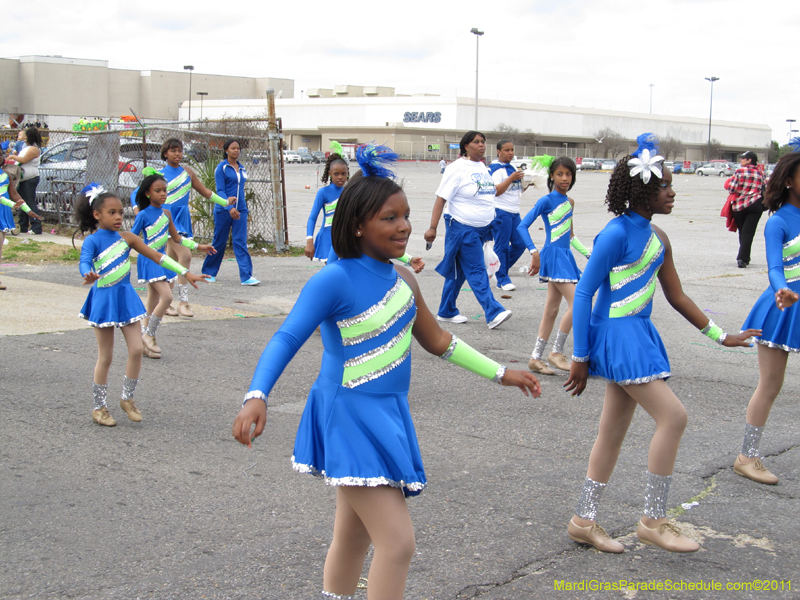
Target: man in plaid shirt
column 746, row 184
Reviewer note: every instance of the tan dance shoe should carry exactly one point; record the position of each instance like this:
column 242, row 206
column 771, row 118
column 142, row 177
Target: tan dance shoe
column 667, row 536
column 103, row 417
column 184, row 310
column 538, row 366
column 594, row 535
column 150, row 343
column 134, row 414
column 171, row 312
column 755, row 471
column 149, row 353
column 559, row 361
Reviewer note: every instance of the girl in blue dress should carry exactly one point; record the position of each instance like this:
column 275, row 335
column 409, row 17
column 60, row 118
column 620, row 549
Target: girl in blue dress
column 181, row 180
column 112, row 301
column 774, row 312
column 325, row 202
column 616, row 341
column 157, row 226
column 9, row 198
column 556, row 266
column 356, row 429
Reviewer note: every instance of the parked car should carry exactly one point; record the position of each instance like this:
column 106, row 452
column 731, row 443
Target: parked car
column 290, row 156
column 608, row 165
column 678, row 167
column 521, row 163
column 305, row 157
column 589, row 164
column 319, row 157
column 716, row 168
column 668, row 164
column 769, row 169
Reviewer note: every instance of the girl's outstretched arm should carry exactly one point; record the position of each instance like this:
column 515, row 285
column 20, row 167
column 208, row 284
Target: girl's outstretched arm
column 206, row 193
column 673, row 291
column 137, row 243
column 437, row 341
column 187, row 243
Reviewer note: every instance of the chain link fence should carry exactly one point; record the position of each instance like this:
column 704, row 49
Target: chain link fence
column 116, row 155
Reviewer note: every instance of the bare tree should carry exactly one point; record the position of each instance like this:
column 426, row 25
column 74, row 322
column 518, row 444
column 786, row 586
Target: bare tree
column 669, row 147
column 609, row 142
column 520, row 137
column 715, row 149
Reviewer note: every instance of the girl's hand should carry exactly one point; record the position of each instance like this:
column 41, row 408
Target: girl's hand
column 90, row 278
column 231, row 200
column 578, row 374
column 309, row 251
column 535, row 262
column 430, row 235
column 191, row 278
column 740, row 339
column 207, row 248
column 524, row 380
column 235, row 214
column 417, row 264
column 785, row 298
column 253, row 411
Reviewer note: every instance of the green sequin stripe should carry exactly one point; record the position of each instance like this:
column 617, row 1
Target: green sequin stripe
column 559, row 231
column 791, row 273
column 110, row 254
column 115, row 275
column 178, row 187
column 380, row 361
column 559, row 212
column 791, row 249
column 624, row 274
column 636, row 302
column 156, row 227
column 159, row 242
column 3, row 183
column 371, row 321
column 331, row 206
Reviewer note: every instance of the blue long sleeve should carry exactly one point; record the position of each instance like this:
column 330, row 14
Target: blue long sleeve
column 87, row 255
column 326, row 293
column 219, row 182
column 608, row 249
column 776, row 232
column 316, row 208
column 532, row 215
column 138, row 223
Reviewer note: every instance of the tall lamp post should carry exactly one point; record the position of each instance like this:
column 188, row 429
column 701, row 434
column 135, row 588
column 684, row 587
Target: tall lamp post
column 478, row 35
column 201, row 94
column 791, row 123
column 651, row 98
column 710, row 108
column 189, row 68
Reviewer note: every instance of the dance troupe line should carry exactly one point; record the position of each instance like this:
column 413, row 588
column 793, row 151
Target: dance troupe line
column 356, row 431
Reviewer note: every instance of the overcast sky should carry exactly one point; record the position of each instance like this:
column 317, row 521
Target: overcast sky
column 599, row 54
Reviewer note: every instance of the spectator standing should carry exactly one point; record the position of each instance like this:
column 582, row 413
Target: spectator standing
column 747, row 185
column 28, row 158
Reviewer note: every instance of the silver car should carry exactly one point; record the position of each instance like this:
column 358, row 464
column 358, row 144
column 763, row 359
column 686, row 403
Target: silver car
column 716, row 168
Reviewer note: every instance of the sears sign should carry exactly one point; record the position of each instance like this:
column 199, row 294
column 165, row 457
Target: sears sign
column 422, row 117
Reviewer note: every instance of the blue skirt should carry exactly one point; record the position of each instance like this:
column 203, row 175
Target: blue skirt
column 322, row 244
column 558, row 265
column 626, row 350
column 6, row 219
column 352, row 437
column 114, row 306
column 779, row 329
column 182, row 219
column 149, row 271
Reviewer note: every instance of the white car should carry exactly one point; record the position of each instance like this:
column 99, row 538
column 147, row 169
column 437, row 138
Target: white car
column 290, row 156
column 608, row 165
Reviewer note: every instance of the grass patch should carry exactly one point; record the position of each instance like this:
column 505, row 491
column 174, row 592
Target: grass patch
column 28, row 250
column 679, row 510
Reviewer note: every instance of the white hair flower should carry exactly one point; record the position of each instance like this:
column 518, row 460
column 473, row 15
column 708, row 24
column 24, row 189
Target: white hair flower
column 92, row 191
column 645, row 164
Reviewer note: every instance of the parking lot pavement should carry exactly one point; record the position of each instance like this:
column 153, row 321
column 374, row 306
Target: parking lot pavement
column 174, row 508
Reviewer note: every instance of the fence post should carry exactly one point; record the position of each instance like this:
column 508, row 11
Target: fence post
column 275, row 173
column 102, row 160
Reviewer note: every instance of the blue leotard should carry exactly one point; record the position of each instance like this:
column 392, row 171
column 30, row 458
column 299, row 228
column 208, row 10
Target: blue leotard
column 179, row 186
column 155, row 225
column 6, row 216
column 325, row 202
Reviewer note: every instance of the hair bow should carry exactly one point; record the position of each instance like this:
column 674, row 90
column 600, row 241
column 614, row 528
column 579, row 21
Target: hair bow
column 646, row 160
column 147, row 171
column 93, row 190
column 795, row 144
column 373, row 160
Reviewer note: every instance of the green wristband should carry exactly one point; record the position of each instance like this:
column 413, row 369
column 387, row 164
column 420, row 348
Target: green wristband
column 406, row 258
column 24, row 206
column 191, row 244
column 576, row 243
column 714, row 331
column 462, row 354
column 173, row 265
column 218, row 199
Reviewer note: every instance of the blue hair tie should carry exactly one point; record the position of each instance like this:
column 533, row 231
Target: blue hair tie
column 646, row 141
column 374, row 159
column 93, row 190
column 795, row 144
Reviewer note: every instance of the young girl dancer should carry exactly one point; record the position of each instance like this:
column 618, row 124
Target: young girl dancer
column 112, row 301
column 617, row 341
column 356, row 429
column 774, row 312
column 181, row 180
column 7, row 225
column 556, row 266
column 157, row 226
column 325, row 202
column 508, row 244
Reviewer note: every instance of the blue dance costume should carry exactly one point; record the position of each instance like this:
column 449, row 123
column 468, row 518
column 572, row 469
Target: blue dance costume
column 155, row 224
column 112, row 301
column 179, row 186
column 617, row 337
column 780, row 328
column 556, row 261
column 325, row 202
column 356, row 428
column 7, row 224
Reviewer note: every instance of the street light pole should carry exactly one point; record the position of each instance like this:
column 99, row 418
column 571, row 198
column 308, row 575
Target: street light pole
column 201, row 94
column 189, row 68
column 710, row 108
column 478, row 35
column 791, row 123
column 651, row 98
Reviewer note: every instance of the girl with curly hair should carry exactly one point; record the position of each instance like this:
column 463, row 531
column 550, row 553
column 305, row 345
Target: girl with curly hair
column 617, row 341
column 774, row 312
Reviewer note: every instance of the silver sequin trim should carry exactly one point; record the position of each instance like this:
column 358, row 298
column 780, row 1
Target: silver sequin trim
column 791, row 256
column 538, row 349
column 362, row 358
column 635, row 296
column 580, row 359
column 414, row 486
column 380, row 372
column 183, row 292
column 128, row 387
column 372, row 309
column 638, row 380
column 551, row 279
column 793, row 279
column 498, row 377
column 255, row 394
column 638, row 274
column 451, row 348
column 385, row 327
column 113, row 324
column 99, row 392
column 752, row 438
column 655, row 495
column 590, row 498
column 559, row 236
column 154, row 279
column 557, row 208
column 789, row 244
column 152, row 325
column 783, row 347
column 122, row 265
column 558, row 346
column 332, row 596
column 154, row 243
column 113, row 247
